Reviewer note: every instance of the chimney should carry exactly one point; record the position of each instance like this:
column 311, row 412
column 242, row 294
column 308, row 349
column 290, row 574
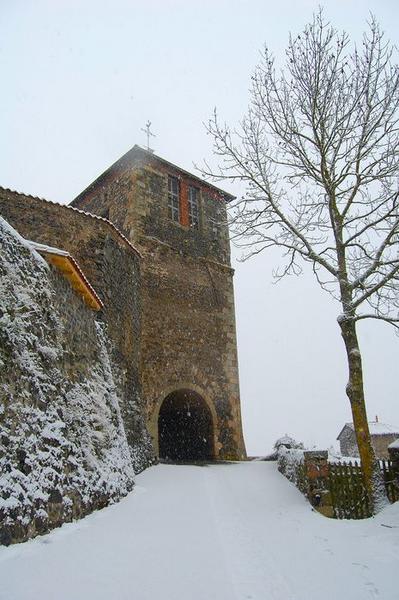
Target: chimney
column 376, row 418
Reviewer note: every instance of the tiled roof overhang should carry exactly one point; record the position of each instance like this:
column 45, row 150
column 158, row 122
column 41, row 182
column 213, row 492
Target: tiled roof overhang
column 71, row 271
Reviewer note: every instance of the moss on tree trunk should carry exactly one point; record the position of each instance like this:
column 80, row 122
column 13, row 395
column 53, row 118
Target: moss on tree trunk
column 355, row 393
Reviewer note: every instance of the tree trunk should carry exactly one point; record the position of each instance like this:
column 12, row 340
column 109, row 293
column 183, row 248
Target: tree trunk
column 355, row 392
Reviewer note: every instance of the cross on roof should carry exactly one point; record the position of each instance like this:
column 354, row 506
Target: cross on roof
column 149, row 134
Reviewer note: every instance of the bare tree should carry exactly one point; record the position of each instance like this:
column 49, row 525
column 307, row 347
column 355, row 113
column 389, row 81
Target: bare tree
column 318, row 150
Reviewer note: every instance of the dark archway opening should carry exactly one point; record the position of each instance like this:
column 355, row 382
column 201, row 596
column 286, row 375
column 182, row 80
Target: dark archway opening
column 185, row 428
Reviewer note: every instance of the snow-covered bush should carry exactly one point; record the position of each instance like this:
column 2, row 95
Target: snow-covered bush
column 288, row 442
column 290, row 460
column 284, row 442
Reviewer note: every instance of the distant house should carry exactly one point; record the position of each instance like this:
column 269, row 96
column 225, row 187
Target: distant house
column 381, row 436
column 394, row 445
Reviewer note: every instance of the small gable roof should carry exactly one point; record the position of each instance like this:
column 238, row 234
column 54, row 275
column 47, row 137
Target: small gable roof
column 133, row 155
column 71, row 271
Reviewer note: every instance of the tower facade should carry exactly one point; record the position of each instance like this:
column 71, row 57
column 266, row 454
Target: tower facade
column 188, row 363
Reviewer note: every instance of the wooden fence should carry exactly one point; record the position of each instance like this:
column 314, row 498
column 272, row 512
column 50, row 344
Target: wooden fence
column 336, row 489
column 390, row 480
column 348, row 493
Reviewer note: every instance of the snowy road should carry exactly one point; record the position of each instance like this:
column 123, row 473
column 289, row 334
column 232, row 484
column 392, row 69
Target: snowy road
column 222, row 532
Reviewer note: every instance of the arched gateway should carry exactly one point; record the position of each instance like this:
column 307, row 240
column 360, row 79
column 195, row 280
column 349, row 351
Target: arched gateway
column 185, row 427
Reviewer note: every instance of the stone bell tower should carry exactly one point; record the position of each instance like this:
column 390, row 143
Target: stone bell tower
column 189, row 371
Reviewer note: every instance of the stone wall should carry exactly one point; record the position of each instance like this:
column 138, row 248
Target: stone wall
column 188, row 333
column 63, row 445
column 112, row 266
column 380, row 444
column 348, row 443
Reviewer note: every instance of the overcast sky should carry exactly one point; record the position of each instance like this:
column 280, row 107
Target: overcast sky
column 78, row 82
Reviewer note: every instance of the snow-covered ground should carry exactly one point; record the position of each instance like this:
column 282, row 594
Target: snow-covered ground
column 221, row 532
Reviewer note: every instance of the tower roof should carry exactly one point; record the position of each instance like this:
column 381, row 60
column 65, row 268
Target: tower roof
column 138, row 153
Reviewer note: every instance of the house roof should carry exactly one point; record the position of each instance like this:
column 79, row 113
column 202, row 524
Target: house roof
column 78, row 210
column 376, row 428
column 71, row 271
column 138, row 152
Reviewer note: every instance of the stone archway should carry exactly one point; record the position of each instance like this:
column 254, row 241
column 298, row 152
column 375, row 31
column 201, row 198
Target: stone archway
column 185, row 427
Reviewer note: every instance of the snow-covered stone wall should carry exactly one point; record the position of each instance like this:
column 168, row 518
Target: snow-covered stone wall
column 63, row 447
column 112, row 267
column 290, row 463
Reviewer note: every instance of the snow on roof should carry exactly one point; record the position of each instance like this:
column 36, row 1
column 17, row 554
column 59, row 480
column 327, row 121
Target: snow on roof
column 44, row 248
column 376, row 428
column 394, row 444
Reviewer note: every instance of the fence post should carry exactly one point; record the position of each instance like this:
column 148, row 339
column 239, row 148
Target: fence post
column 317, row 474
column 394, row 457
